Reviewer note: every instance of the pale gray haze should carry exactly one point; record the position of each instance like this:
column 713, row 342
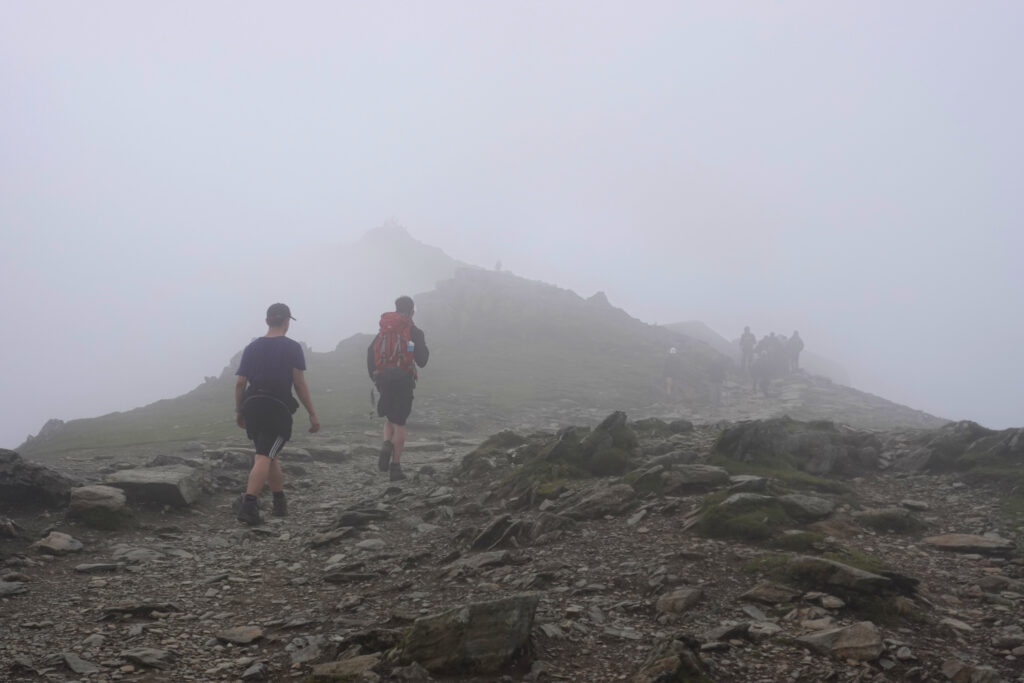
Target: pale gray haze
column 852, row 170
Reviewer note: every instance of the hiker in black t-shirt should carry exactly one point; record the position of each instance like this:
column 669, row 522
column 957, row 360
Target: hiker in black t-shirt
column 391, row 360
column 264, row 404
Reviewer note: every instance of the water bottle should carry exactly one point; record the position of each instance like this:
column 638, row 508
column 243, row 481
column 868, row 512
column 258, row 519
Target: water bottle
column 410, row 346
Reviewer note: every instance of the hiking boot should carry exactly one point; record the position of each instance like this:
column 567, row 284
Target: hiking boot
column 387, row 449
column 280, row 506
column 247, row 510
column 396, row 472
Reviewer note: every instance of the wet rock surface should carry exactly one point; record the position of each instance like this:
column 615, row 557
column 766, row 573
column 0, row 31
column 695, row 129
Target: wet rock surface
column 570, row 578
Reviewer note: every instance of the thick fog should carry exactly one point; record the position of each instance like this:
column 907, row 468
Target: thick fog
column 848, row 170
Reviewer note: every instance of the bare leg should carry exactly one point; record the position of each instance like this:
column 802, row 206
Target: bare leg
column 275, row 477
column 389, row 431
column 398, row 439
column 258, row 475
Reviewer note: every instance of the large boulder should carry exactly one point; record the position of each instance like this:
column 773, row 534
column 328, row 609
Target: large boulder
column 479, row 638
column 176, row 485
column 101, row 507
column 816, row 447
column 30, row 485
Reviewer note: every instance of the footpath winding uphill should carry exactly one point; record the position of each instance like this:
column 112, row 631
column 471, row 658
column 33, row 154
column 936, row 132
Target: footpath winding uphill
column 641, row 551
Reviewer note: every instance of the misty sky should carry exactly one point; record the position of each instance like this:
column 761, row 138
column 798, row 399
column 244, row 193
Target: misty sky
column 852, row 170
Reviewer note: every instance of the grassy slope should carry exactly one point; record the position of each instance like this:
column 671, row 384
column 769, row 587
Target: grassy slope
column 500, row 346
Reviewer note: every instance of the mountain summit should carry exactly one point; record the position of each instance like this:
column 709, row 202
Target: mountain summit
column 506, row 352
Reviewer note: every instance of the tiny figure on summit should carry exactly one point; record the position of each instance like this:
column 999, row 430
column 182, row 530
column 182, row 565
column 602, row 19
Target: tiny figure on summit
column 264, row 404
column 391, row 360
column 673, row 371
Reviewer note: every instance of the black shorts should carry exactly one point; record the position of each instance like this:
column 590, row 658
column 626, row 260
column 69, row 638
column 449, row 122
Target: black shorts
column 268, row 423
column 395, row 401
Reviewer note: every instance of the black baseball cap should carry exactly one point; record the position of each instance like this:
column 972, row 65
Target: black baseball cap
column 278, row 313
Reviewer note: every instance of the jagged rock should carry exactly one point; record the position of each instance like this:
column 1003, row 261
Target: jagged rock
column 822, row 574
column 10, row 529
column 101, row 507
column 959, row 672
column 494, row 558
column 95, row 568
column 414, row 673
column 548, row 522
column 679, row 601
column 806, row 508
column 355, row 670
column 58, row 543
column 675, row 658
column 479, row 638
column 255, row 672
column 690, row 478
column 771, row 593
column 605, row 500
column 860, row 642
column 140, row 609
column 969, row 543
column 500, row 533
column 175, row 485
column 748, row 483
column 30, row 485
column 136, row 555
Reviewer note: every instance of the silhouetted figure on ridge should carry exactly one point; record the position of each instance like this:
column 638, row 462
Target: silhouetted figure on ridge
column 747, row 342
column 673, row 370
column 793, row 348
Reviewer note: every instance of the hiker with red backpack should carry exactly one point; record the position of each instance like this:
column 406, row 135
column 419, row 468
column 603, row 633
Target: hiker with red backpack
column 391, row 360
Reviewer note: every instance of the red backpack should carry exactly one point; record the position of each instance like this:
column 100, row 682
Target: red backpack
column 391, row 347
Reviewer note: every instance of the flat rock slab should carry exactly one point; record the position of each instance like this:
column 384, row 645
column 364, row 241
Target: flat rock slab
column 479, row 638
column 804, row 507
column 12, row 588
column 79, row 665
column 58, row 543
column 860, row 642
column 770, row 593
column 176, row 485
column 241, row 635
column 151, row 657
column 969, row 543
column 357, row 669
column 97, row 568
column 825, row 574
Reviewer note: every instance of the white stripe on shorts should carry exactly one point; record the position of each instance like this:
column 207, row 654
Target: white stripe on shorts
column 276, row 448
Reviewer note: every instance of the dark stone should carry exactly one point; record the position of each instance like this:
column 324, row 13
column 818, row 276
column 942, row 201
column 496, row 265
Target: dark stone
column 30, row 485
column 480, row 638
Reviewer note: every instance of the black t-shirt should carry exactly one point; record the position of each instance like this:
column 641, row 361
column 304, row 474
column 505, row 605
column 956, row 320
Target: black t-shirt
column 268, row 362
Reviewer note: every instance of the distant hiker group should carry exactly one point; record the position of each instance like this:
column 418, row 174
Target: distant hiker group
column 273, row 364
column 772, row 357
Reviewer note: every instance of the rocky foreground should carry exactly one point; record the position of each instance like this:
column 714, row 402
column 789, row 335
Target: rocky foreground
column 640, row 551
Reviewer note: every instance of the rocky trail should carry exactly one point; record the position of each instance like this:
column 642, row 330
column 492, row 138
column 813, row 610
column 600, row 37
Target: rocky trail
column 471, row 571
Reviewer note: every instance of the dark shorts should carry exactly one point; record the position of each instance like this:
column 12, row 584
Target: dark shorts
column 395, row 401
column 268, row 423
